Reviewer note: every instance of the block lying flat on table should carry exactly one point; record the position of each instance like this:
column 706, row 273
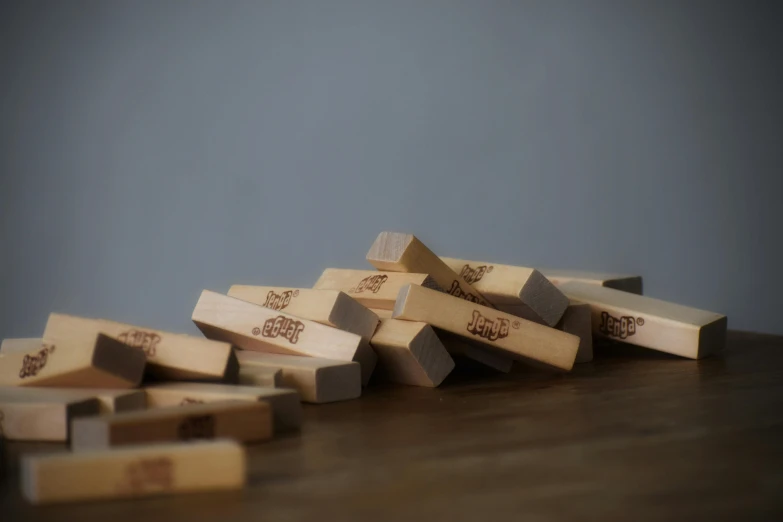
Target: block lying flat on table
column 330, row 307
column 317, row 380
column 651, row 323
column 42, row 419
column 133, row 471
column 170, row 356
column 285, row 403
column 236, row 420
column 25, row 344
column 626, row 283
column 263, row 377
column 110, row 400
column 376, row 290
column 459, row 347
column 95, row 362
column 253, row 327
column 518, row 290
column 578, row 320
column 409, row 352
column 513, row 336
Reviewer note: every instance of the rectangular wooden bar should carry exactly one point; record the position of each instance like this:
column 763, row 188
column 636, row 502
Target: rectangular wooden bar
column 170, row 356
column 376, row 290
column 626, row 283
column 44, row 419
column 235, row 420
column 518, row 290
column 651, row 323
column 253, row 327
column 317, row 380
column 285, row 403
column 21, row 344
column 577, row 320
column 513, row 336
column 263, row 377
column 110, row 400
column 133, row 471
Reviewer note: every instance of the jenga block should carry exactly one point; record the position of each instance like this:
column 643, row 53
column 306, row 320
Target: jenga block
column 317, row 380
column 133, row 471
column 651, row 323
column 263, row 377
column 518, row 290
column 97, row 362
column 511, row 335
column 170, row 356
column 376, row 290
column 383, row 314
column 43, row 419
column 577, row 320
column 330, row 307
column 409, row 352
column 459, row 347
column 260, row 329
column 626, row 283
column 285, row 403
column 110, row 400
column 236, row 420
column 396, row 252
column 21, row 345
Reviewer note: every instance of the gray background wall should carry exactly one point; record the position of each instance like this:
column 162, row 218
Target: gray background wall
column 152, row 149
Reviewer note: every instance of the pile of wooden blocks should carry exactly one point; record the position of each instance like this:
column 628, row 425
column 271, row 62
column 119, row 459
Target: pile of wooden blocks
column 268, row 348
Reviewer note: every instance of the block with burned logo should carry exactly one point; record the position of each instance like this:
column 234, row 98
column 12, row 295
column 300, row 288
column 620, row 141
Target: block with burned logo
column 513, row 336
column 626, row 283
column 253, row 327
column 44, row 417
column 377, row 290
column 238, row 420
column 170, row 356
column 577, row 320
column 133, row 471
column 518, row 290
column 651, row 323
column 330, row 307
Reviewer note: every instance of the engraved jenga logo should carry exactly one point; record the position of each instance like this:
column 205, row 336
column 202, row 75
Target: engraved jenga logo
column 32, row 364
column 471, row 275
column 370, row 284
column 457, row 291
column 487, row 328
column 146, row 475
column 283, row 326
column 147, row 341
column 197, row 427
column 621, row 327
column 281, row 300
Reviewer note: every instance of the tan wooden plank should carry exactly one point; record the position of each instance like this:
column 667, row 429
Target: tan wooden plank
column 263, row 377
column 110, row 400
column 44, row 418
column 376, row 290
column 626, row 283
column 577, row 320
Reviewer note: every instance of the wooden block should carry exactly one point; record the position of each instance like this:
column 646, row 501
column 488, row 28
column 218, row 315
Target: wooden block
column 97, row 362
column 236, row 420
column 513, row 336
column 383, row 314
column 330, row 307
column 317, row 380
column 43, row 419
column 376, row 290
column 263, row 377
column 460, row 347
column 285, row 403
column 110, row 400
column 21, row 345
column 260, row 329
column 169, row 356
column 396, row 252
column 133, row 471
column 651, row 323
column 518, row 290
column 626, row 283
column 409, row 352
column 577, row 320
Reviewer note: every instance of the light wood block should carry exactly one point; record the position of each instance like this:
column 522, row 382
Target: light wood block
column 330, row 307
column 263, row 377
column 133, row 471
column 410, row 353
column 518, row 290
column 42, row 419
column 170, row 356
column 97, row 362
column 317, row 380
column 285, row 403
column 26, row 344
column 383, row 314
column 235, row 420
column 513, row 336
column 111, row 401
column 577, row 320
column 397, row 252
column 626, row 283
column 253, row 327
column 376, row 290
column 460, row 347
column 651, row 323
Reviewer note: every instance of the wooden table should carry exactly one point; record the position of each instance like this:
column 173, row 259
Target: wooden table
column 633, row 436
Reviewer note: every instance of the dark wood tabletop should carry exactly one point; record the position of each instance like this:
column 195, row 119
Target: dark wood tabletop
column 634, row 435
